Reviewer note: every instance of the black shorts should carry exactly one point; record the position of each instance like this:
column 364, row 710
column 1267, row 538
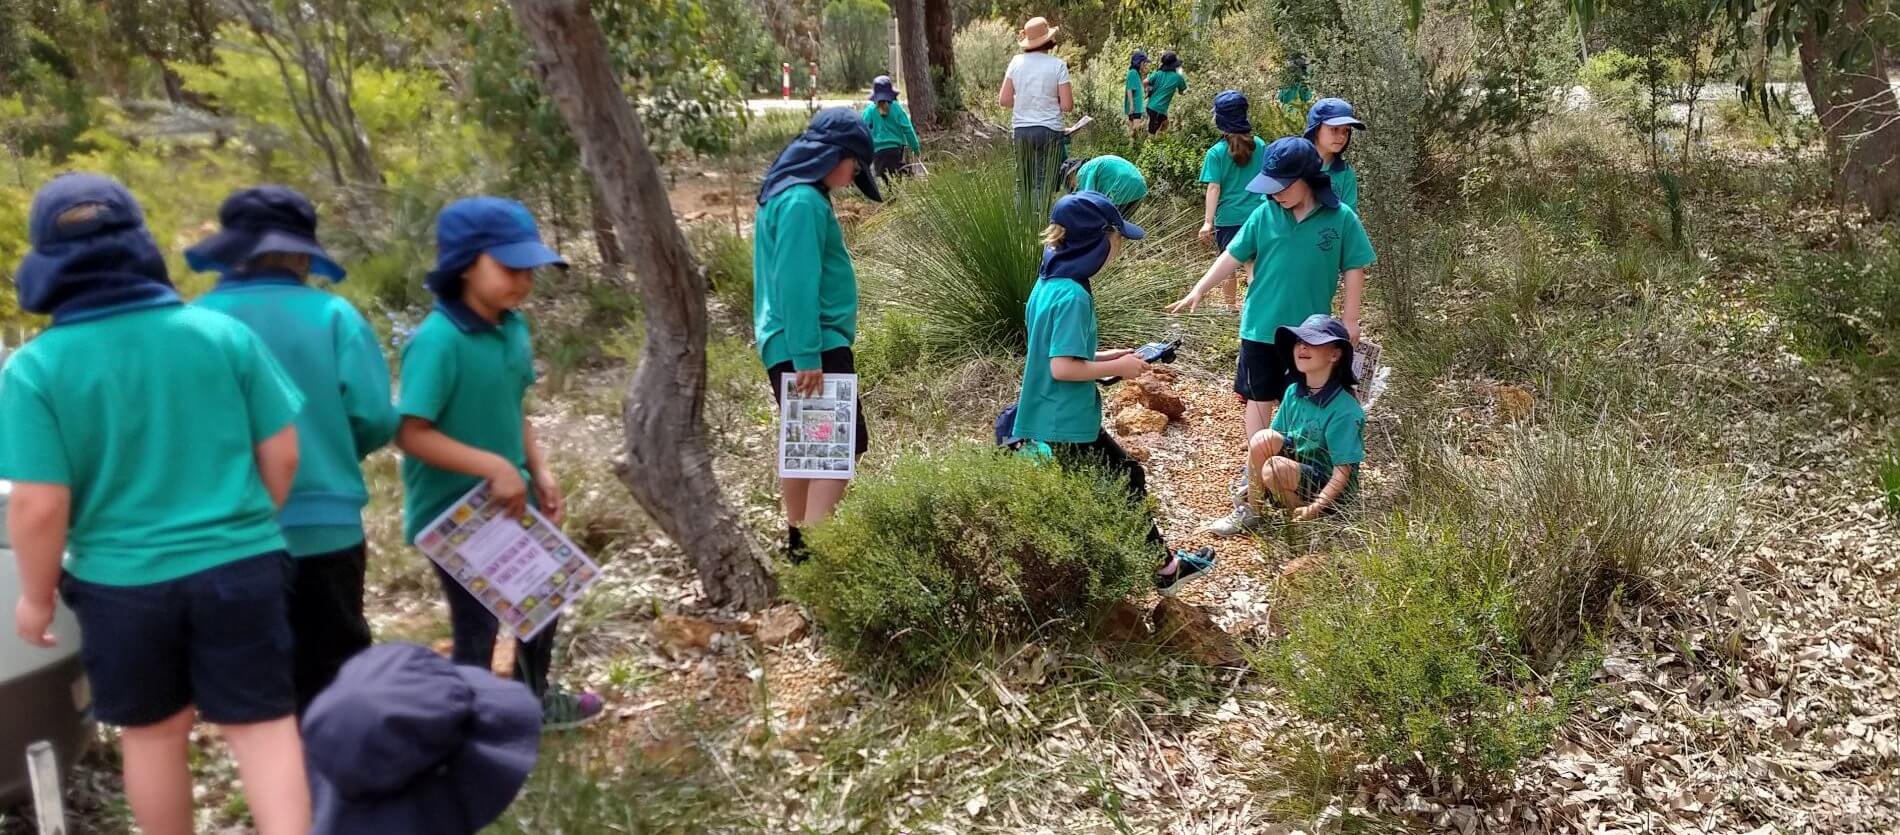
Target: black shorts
column 1262, row 375
column 1313, row 478
column 889, row 162
column 834, row 361
column 1156, row 121
column 1224, row 235
column 219, row 639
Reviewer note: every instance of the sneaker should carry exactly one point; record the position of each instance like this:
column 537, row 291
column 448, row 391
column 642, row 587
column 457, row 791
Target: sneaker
column 561, row 711
column 1239, row 487
column 1187, row 566
column 1244, row 519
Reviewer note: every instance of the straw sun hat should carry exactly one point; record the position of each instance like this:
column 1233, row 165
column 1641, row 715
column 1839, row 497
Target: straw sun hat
column 1037, row 32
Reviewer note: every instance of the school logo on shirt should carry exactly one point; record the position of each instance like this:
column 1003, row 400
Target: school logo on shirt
column 1328, row 237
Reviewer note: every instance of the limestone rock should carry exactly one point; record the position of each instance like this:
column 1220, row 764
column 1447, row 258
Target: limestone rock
column 1156, row 394
column 1121, row 397
column 782, row 625
column 1123, row 623
column 1139, row 420
column 681, row 636
column 1137, row 448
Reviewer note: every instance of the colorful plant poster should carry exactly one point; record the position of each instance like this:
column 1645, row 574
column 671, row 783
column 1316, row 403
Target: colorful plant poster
column 525, row 571
column 818, row 435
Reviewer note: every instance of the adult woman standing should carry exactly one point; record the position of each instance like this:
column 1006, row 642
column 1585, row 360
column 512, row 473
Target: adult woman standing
column 1037, row 92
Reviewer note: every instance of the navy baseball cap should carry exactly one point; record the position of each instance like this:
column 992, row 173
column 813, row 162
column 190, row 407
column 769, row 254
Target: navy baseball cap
column 502, row 228
column 90, row 249
column 1331, row 111
column 1318, row 330
column 262, row 220
column 1292, row 158
column 1085, row 213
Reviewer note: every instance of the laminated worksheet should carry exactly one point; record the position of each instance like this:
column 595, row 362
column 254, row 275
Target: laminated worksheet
column 818, row 435
column 525, row 571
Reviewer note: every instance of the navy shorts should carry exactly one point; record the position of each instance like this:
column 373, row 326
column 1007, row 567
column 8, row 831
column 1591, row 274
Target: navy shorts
column 834, row 361
column 1157, row 122
column 1224, row 235
column 1262, row 374
column 218, row 639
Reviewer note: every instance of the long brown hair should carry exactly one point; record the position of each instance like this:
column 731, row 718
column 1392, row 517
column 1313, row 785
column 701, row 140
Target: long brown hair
column 1240, row 147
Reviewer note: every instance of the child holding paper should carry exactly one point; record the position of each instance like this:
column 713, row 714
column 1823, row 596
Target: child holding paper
column 804, row 289
column 464, row 375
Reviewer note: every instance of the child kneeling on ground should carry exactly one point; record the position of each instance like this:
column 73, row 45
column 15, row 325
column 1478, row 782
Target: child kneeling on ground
column 154, row 442
column 1308, row 461
column 1060, row 405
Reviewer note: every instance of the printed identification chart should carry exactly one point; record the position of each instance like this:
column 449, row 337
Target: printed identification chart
column 817, row 435
column 524, row 570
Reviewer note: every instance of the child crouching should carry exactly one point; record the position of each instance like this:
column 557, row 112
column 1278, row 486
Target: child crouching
column 1308, row 460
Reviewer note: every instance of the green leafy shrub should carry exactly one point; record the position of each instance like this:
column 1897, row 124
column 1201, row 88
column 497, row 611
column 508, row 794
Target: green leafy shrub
column 952, row 551
column 1889, row 472
column 1846, row 305
column 1412, row 642
column 983, row 50
column 888, row 344
column 727, row 259
column 957, row 258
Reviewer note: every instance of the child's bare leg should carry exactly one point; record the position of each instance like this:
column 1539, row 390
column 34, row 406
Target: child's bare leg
column 1265, row 445
column 1260, row 415
column 158, row 773
column 795, row 492
column 270, row 763
column 1283, row 481
column 823, row 497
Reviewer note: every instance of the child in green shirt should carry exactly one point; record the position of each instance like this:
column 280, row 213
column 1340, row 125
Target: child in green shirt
column 1308, row 460
column 1134, row 104
column 266, row 250
column 1227, row 168
column 152, row 443
column 1109, row 174
column 804, row 289
column 1060, row 405
column 891, row 131
column 465, row 373
column 1329, row 125
column 1162, row 85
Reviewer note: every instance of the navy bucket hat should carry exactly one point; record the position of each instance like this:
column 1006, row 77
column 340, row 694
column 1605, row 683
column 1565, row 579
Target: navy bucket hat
column 883, row 89
column 1230, row 112
column 91, row 253
column 1137, row 59
column 1086, row 218
column 471, row 226
column 1318, row 330
column 1170, row 61
column 1332, row 111
column 262, row 220
column 405, row 741
column 1292, row 158
column 833, row 133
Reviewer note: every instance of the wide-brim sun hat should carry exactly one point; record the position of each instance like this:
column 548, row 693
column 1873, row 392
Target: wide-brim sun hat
column 883, row 89
column 262, row 220
column 1035, row 33
column 833, row 134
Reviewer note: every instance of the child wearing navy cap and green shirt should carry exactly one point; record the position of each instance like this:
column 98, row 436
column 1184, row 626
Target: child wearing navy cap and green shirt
column 465, row 373
column 891, row 130
column 1060, row 405
column 1308, row 460
column 1134, row 103
column 153, row 444
column 1329, row 125
column 1162, row 85
column 266, row 250
column 1303, row 244
column 804, row 289
column 1227, row 168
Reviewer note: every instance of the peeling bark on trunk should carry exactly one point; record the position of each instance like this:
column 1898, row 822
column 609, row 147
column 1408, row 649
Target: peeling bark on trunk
column 668, row 468
column 914, row 46
column 940, row 33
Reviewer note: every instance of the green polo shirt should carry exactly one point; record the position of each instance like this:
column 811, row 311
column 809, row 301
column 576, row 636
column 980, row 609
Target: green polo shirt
column 1346, row 185
column 893, row 131
column 1236, row 202
column 468, row 378
column 1061, row 319
column 152, row 418
column 1132, row 95
column 1166, row 84
column 1296, row 264
column 1113, row 176
column 1326, row 428
column 804, row 290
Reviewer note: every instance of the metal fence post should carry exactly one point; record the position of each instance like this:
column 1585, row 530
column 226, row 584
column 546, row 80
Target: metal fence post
column 42, row 765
